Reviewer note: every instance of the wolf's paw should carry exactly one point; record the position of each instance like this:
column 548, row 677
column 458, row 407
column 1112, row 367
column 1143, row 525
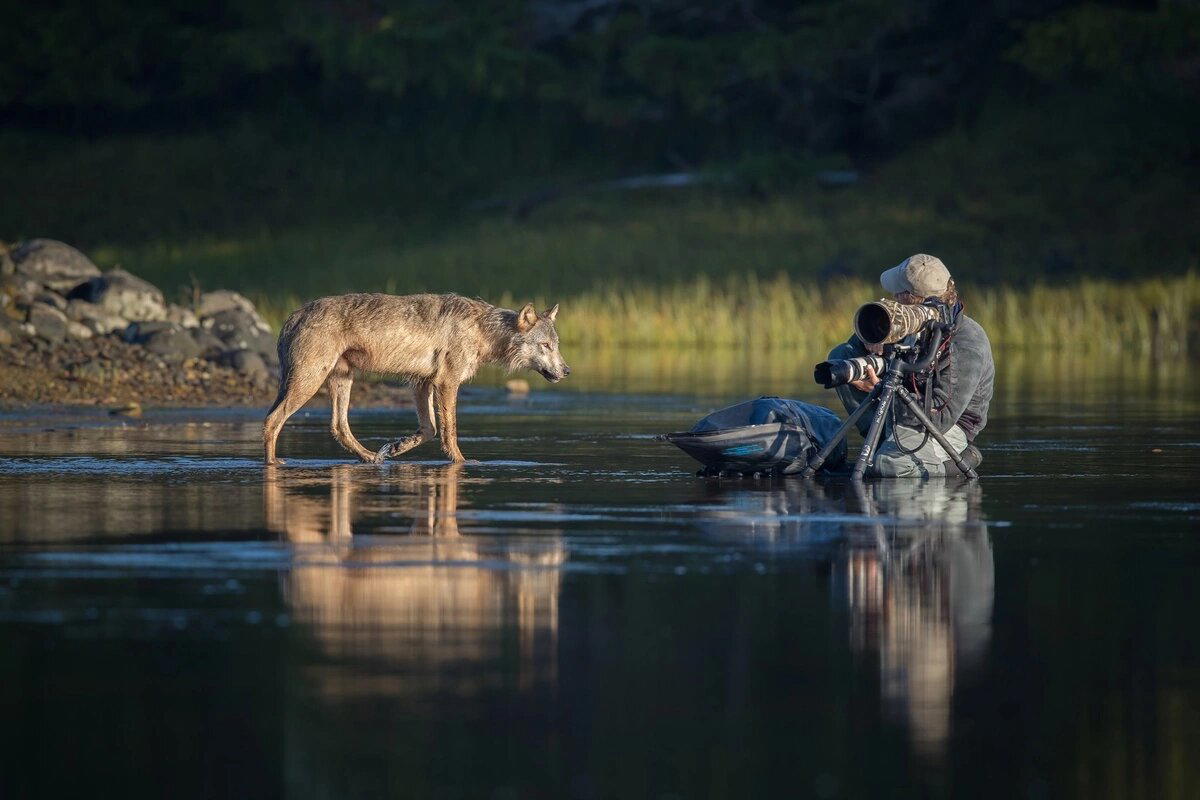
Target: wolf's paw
column 274, row 462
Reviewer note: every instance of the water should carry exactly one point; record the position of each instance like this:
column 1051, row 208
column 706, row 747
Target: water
column 579, row 616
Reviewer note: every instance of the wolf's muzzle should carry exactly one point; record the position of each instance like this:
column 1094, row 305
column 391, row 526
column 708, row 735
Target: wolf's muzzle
column 552, row 377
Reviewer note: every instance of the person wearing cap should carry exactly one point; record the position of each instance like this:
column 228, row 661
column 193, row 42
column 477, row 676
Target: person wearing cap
column 964, row 380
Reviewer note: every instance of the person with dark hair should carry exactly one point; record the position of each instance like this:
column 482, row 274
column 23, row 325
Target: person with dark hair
column 955, row 393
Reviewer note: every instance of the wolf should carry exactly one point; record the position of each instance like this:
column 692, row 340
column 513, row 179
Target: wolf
column 436, row 342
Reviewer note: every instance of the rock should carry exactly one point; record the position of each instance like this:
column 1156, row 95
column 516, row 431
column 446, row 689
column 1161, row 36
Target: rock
column 7, row 337
column 239, row 330
column 89, row 371
column 223, row 300
column 517, row 386
column 48, row 321
column 183, row 316
column 77, row 330
column 22, row 290
column 248, row 363
column 211, row 347
column 119, row 293
column 95, row 317
column 170, row 340
column 7, row 267
column 53, row 264
column 138, row 332
column 51, row 299
column 133, row 409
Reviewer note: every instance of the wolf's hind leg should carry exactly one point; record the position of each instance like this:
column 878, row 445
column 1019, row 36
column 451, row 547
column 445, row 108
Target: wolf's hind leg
column 423, row 394
column 298, row 384
column 339, row 384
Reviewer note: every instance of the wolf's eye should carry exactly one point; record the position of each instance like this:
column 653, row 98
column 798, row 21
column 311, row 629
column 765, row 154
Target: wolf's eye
column 545, row 345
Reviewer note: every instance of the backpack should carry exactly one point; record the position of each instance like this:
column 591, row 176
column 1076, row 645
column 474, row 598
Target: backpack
column 772, row 435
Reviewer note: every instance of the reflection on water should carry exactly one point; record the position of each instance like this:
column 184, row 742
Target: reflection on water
column 419, row 599
column 920, row 597
column 592, row 620
column 911, row 562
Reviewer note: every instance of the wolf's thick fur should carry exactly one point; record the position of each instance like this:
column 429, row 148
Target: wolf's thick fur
column 435, row 341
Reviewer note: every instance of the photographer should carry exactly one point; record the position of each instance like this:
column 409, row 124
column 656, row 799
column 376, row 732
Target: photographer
column 955, row 393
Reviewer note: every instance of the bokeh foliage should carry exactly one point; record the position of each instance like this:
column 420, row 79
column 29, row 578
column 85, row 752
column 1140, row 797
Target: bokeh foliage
column 709, row 76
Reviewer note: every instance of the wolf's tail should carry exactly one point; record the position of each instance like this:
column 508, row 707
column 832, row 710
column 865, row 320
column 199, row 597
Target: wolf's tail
column 284, row 352
column 283, row 376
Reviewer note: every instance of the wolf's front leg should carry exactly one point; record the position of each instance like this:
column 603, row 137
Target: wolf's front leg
column 447, row 403
column 397, row 447
column 424, row 397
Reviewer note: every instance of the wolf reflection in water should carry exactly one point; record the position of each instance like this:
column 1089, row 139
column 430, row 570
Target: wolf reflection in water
column 424, row 607
column 421, row 600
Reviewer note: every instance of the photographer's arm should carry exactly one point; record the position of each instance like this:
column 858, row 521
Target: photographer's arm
column 849, row 394
column 968, row 368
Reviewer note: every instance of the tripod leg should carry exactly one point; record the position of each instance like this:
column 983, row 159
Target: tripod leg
column 919, row 413
column 817, row 460
column 887, row 392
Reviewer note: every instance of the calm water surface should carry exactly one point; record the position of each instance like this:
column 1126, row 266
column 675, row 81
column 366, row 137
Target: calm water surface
column 579, row 616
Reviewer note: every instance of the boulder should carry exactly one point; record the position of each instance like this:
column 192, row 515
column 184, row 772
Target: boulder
column 248, row 363
column 96, row 318
column 170, row 340
column 184, row 316
column 224, row 300
column 7, row 267
column 53, row 264
column 122, row 294
column 14, row 329
column 239, row 330
column 51, row 299
column 20, row 290
column 77, row 330
column 210, row 346
column 138, row 332
column 48, row 322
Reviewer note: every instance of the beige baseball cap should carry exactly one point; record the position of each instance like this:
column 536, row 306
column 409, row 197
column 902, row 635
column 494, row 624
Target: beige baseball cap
column 923, row 275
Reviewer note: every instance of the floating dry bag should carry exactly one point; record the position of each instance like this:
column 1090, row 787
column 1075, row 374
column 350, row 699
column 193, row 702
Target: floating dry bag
column 771, row 434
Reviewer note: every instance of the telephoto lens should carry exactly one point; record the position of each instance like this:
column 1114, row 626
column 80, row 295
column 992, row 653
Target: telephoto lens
column 886, row 321
column 842, row 371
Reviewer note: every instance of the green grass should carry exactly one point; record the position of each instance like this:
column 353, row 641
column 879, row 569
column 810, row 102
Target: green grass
column 1153, row 316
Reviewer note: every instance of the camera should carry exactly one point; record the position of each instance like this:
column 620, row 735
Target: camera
column 886, row 321
column 841, row 371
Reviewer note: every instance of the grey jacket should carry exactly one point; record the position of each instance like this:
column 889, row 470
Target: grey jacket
column 971, row 374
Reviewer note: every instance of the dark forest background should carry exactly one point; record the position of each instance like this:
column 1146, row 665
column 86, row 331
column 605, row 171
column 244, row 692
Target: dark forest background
column 480, row 146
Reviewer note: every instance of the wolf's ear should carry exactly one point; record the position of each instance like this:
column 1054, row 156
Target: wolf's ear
column 551, row 313
column 526, row 318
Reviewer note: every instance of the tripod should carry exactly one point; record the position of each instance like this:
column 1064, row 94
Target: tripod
column 882, row 397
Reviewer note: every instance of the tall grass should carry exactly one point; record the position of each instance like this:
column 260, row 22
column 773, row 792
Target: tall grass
column 1156, row 316
column 1153, row 316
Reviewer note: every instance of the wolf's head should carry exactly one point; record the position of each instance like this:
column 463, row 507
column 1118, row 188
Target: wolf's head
column 535, row 345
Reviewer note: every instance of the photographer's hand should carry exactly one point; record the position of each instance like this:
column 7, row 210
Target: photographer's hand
column 868, row 382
